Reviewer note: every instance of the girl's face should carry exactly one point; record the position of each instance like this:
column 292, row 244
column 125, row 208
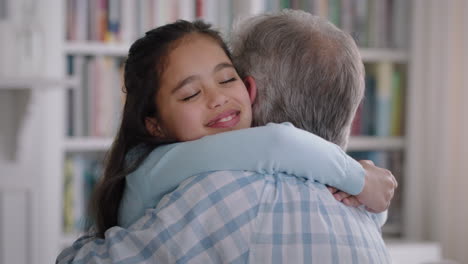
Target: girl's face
column 200, row 92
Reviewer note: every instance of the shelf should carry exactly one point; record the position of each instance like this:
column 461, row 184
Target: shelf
column 97, row 48
column 84, row 144
column 18, row 83
column 359, row 143
column 117, row 49
column 389, row 55
column 365, row 143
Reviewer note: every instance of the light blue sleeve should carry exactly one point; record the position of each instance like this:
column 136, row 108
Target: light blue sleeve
column 267, row 149
column 381, row 218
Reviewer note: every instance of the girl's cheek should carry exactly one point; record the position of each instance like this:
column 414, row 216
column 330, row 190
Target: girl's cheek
column 188, row 115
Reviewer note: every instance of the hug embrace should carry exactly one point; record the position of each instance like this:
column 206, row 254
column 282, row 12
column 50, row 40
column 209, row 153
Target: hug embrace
column 239, row 157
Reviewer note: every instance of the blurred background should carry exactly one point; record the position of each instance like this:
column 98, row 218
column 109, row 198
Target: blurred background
column 60, row 101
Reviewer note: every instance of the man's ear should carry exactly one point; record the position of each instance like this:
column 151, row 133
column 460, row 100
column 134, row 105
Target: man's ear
column 153, row 127
column 249, row 82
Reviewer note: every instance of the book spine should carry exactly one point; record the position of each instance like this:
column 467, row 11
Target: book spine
column 384, row 72
column 334, row 12
column 361, row 23
column 128, row 21
column 225, row 18
column 199, row 9
column 113, row 22
column 400, row 24
column 369, row 107
column 397, row 106
column 68, row 196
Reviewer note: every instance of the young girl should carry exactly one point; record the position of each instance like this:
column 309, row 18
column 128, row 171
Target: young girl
column 181, row 86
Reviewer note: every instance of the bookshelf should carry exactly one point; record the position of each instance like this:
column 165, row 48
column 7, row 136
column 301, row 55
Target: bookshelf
column 357, row 143
column 115, row 49
column 96, row 49
column 363, row 143
column 382, row 57
column 86, row 144
column 61, row 145
column 21, row 83
column 375, row 52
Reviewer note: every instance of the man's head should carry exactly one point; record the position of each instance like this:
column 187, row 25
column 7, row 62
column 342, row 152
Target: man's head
column 307, row 72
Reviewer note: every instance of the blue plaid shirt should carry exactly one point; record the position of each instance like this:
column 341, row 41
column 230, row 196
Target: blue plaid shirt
column 241, row 217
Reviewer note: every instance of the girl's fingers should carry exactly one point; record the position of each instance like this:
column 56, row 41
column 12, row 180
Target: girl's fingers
column 351, row 201
column 340, row 195
column 332, row 189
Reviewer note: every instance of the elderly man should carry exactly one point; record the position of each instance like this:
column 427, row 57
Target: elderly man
column 306, row 72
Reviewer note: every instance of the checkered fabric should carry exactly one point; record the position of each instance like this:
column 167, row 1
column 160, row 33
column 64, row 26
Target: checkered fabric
column 241, row 217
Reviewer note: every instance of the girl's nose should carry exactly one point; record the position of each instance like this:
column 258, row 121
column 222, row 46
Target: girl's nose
column 216, row 99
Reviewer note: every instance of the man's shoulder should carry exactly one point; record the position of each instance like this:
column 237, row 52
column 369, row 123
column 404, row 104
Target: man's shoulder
column 203, row 187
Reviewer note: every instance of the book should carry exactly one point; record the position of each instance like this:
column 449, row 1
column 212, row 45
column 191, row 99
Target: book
column 295, row 4
column 400, row 22
column 81, row 173
column 347, row 16
column 71, row 20
column 78, row 166
column 397, row 105
column 78, row 96
column 68, row 196
column 285, row 4
column 92, row 25
column 384, row 75
column 81, row 20
column 199, row 8
column 368, row 121
column 113, row 21
column 321, row 8
column 225, row 18
column 70, row 99
column 210, row 12
column 334, row 11
column 242, row 9
column 360, row 29
column 128, row 24
column 274, row 5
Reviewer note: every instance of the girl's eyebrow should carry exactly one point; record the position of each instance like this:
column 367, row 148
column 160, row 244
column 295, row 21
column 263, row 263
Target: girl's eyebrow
column 222, row 66
column 192, row 78
column 185, row 81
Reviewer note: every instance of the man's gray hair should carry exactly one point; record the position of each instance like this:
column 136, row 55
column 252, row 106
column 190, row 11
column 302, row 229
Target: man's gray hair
column 307, row 72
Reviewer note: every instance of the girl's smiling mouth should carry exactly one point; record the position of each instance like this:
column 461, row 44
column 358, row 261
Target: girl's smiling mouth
column 227, row 119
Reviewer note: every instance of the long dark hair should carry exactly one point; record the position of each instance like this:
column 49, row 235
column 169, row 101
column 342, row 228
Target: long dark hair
column 143, row 69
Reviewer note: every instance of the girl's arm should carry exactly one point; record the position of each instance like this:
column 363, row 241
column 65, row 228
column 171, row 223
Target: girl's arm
column 267, row 149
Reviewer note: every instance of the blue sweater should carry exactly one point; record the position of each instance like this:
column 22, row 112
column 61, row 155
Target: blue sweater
column 268, row 149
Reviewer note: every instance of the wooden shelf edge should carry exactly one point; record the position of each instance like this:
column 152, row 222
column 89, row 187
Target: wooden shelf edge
column 23, row 83
column 84, row 144
column 121, row 49
column 96, row 48
column 367, row 143
column 382, row 54
column 356, row 143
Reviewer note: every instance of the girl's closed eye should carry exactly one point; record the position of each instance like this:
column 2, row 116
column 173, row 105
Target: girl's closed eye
column 229, row 80
column 187, row 98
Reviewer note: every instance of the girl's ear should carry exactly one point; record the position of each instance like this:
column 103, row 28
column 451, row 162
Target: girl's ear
column 153, row 127
column 249, row 82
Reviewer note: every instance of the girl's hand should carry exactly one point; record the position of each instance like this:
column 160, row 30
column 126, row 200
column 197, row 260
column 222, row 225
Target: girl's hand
column 379, row 188
column 346, row 198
